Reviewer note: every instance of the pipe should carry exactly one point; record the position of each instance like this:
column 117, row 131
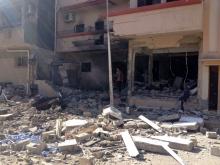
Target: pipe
column 28, row 64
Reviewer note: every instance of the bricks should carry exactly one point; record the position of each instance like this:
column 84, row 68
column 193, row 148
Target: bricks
column 68, row 146
column 211, row 135
column 215, row 150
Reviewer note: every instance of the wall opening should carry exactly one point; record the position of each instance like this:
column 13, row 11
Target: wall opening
column 213, row 87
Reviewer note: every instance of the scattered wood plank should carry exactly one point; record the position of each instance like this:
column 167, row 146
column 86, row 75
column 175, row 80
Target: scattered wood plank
column 152, row 124
column 131, row 148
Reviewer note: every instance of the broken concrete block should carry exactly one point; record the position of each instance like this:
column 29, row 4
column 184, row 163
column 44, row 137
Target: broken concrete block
column 49, row 136
column 150, row 145
column 118, row 123
column 176, row 143
column 203, row 130
column 131, row 125
column 113, row 112
column 152, row 124
column 36, row 148
column 86, row 161
column 82, row 137
column 191, row 126
column 211, row 135
column 98, row 154
column 131, row 148
column 6, row 117
column 68, row 146
column 20, row 146
column 4, row 111
column 192, row 119
column 87, row 114
column 215, row 150
column 99, row 132
column 170, row 118
column 74, row 123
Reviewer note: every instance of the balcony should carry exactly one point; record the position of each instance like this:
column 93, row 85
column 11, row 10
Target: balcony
column 171, row 17
column 82, row 42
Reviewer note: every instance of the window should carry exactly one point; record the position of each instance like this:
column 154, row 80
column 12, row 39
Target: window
column 21, row 61
column 86, row 67
column 79, row 28
column 147, row 2
column 99, row 25
column 69, row 17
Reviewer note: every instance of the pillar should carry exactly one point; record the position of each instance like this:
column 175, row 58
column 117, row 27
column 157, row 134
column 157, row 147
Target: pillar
column 150, row 69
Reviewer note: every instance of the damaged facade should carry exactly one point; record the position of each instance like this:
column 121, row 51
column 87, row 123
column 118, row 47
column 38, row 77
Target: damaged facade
column 171, row 45
column 82, row 45
column 26, row 40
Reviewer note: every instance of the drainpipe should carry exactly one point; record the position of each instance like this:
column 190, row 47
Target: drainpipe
column 28, row 64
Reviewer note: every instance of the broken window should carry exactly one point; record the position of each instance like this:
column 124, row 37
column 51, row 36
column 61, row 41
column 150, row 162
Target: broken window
column 86, row 67
column 79, row 28
column 99, row 25
column 22, row 61
column 69, row 17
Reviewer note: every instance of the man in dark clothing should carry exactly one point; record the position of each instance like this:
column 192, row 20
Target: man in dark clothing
column 184, row 97
column 119, row 79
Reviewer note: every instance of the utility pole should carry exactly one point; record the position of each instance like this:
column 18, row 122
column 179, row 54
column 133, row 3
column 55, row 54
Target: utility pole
column 109, row 56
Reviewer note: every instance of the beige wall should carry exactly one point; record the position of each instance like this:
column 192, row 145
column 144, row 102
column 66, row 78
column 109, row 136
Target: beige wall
column 211, row 31
column 12, row 37
column 178, row 19
column 9, row 72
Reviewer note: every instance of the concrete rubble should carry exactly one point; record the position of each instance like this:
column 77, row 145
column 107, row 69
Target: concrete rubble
column 81, row 128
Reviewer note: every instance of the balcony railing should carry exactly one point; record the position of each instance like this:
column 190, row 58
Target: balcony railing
column 90, row 30
column 151, row 7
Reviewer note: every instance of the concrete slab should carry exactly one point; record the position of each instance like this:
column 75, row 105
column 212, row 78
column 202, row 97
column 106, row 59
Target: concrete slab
column 74, row 123
column 199, row 120
column 211, row 135
column 152, row 124
column 112, row 111
column 68, row 146
column 176, row 143
column 131, row 148
column 150, row 145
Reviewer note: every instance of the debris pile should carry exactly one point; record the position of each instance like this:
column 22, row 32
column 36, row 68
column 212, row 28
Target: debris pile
column 79, row 128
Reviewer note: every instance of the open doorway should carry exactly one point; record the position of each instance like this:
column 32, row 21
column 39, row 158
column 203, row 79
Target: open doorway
column 213, row 88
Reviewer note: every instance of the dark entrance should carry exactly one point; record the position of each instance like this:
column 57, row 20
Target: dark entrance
column 213, row 88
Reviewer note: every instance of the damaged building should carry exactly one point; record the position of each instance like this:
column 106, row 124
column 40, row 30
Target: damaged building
column 162, row 47
column 82, row 45
column 26, row 41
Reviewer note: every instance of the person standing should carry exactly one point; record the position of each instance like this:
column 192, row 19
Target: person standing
column 119, row 79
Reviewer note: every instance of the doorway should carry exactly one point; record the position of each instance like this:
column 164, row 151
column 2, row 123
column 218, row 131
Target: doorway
column 213, row 88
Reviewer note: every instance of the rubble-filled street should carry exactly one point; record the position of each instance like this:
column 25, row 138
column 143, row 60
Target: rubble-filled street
column 84, row 131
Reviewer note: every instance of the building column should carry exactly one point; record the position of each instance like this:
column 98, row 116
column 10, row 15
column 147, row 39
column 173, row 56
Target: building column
column 218, row 108
column 150, row 69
